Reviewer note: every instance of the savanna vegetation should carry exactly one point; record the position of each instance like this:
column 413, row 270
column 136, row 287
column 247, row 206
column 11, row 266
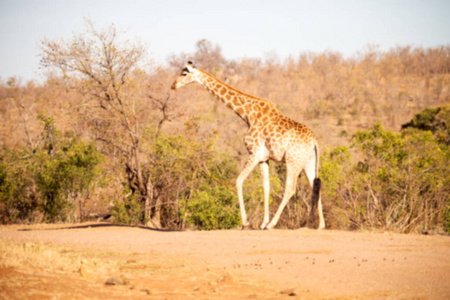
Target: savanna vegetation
column 104, row 134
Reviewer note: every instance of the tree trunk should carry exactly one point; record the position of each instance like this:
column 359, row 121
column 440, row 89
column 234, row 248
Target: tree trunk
column 155, row 220
column 143, row 189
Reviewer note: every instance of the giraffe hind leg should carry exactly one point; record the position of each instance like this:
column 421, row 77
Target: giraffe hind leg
column 291, row 182
column 266, row 188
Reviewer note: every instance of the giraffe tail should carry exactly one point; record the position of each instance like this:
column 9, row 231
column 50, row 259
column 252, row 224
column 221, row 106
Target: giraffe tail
column 315, row 196
column 315, row 191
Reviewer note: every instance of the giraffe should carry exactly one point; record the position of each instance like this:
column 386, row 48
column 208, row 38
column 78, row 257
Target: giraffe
column 271, row 136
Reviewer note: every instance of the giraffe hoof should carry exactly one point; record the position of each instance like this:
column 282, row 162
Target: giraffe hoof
column 269, row 227
column 263, row 226
column 246, row 226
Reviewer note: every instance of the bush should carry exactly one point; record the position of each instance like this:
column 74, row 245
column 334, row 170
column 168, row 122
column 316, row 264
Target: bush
column 212, row 208
column 436, row 120
column 193, row 182
column 43, row 184
column 18, row 196
column 400, row 182
column 127, row 210
column 340, row 188
column 407, row 180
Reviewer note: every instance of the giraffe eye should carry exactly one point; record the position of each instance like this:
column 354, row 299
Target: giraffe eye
column 185, row 71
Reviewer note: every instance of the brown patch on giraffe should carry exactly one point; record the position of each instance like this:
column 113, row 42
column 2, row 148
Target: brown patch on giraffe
column 248, row 107
column 237, row 101
column 239, row 110
column 248, row 141
column 265, row 109
column 228, row 97
column 223, row 91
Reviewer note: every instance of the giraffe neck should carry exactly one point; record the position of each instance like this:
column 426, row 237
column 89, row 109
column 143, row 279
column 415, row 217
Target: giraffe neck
column 247, row 107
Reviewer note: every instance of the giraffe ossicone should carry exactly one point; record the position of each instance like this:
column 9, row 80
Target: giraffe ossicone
column 271, row 136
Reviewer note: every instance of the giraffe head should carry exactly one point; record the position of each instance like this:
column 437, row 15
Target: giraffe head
column 187, row 76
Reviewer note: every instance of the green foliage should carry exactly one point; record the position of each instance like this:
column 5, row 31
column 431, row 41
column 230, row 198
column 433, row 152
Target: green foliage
column 17, row 196
column 127, row 210
column 400, row 182
column 43, row 181
column 335, row 171
column 405, row 175
column 65, row 174
column 334, row 164
column 212, row 207
column 194, row 182
column 436, row 120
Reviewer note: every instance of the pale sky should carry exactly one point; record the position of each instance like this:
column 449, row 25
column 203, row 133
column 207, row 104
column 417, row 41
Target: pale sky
column 242, row 28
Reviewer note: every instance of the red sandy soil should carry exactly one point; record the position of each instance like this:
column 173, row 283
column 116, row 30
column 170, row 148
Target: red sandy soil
column 234, row 264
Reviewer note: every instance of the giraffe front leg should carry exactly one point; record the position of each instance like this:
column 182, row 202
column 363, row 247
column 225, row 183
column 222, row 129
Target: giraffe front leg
column 249, row 166
column 266, row 187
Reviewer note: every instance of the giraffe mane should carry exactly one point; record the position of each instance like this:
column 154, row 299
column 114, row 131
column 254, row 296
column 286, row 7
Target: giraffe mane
column 233, row 89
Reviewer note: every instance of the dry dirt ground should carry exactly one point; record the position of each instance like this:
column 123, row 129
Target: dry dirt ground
column 61, row 262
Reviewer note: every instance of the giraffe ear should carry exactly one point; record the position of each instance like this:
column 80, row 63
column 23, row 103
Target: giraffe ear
column 190, row 65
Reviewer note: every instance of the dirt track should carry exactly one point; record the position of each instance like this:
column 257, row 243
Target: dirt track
column 299, row 264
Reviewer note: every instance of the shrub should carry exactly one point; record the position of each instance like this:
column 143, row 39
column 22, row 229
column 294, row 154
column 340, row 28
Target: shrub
column 18, row 196
column 340, row 188
column 212, row 208
column 193, row 182
column 127, row 210
column 436, row 120
column 400, row 181
column 48, row 180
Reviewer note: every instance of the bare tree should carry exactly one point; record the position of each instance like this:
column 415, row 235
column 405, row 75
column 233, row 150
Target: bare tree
column 108, row 72
column 206, row 54
column 161, row 98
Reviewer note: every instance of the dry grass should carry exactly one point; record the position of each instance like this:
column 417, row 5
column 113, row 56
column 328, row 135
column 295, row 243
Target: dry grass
column 47, row 258
column 39, row 256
